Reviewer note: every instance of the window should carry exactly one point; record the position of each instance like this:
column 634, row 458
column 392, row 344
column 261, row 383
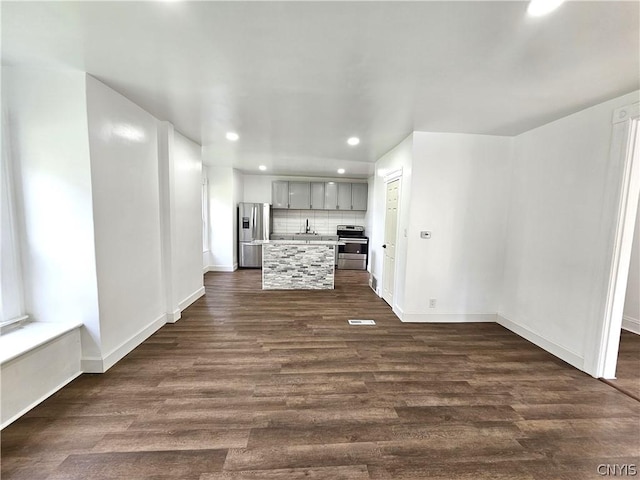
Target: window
column 11, row 295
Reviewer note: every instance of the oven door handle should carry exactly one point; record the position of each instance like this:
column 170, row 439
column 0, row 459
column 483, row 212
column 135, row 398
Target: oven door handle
column 361, row 241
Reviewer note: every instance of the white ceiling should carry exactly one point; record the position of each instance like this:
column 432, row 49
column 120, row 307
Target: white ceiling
column 296, row 79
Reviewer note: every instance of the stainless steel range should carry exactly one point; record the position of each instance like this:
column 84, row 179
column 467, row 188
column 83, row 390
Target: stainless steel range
column 354, row 253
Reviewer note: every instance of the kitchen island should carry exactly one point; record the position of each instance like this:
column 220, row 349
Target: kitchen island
column 298, row 264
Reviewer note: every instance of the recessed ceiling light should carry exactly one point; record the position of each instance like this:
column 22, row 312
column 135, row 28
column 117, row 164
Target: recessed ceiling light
column 353, row 141
column 537, row 8
column 262, row 167
column 233, row 136
column 341, row 171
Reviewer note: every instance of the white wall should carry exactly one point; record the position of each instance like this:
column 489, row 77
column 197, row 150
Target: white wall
column 459, row 192
column 562, row 208
column 400, row 157
column 631, row 319
column 368, row 215
column 126, row 206
column 47, row 123
column 221, row 212
column 187, row 248
column 238, row 196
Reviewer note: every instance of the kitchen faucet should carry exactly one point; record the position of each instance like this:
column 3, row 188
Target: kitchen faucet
column 306, row 229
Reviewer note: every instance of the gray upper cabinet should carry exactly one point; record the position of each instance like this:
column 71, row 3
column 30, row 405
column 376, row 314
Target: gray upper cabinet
column 359, row 194
column 344, row 196
column 317, row 196
column 330, row 196
column 299, row 195
column 280, row 194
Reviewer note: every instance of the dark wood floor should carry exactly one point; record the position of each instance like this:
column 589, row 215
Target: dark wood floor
column 628, row 367
column 265, row 385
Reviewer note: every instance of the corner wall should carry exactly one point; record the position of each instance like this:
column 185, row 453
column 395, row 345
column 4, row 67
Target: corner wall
column 126, row 205
column 186, row 197
column 238, row 197
column 222, row 211
column 460, row 187
column 562, row 208
column 398, row 158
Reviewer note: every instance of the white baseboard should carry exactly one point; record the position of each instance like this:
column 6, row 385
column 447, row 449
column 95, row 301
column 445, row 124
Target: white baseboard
column 92, row 365
column 447, row 317
column 173, row 317
column 559, row 351
column 631, row 324
column 191, row 298
column 9, row 421
column 397, row 311
column 101, row 365
column 222, row 268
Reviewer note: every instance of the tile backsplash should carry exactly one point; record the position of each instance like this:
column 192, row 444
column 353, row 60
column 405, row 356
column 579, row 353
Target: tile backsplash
column 323, row 222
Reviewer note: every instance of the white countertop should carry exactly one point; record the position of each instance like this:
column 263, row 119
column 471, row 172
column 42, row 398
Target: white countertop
column 332, row 243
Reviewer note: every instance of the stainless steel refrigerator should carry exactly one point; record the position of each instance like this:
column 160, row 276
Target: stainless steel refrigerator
column 254, row 223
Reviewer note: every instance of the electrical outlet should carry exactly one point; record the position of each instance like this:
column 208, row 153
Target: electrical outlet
column 432, row 302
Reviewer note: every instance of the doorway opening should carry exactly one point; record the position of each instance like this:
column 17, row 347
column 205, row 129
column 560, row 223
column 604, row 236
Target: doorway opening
column 626, row 146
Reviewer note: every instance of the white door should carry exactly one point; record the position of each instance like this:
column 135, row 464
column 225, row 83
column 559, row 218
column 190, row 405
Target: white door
column 389, row 247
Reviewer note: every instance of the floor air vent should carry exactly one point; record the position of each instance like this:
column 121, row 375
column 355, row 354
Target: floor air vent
column 361, row 322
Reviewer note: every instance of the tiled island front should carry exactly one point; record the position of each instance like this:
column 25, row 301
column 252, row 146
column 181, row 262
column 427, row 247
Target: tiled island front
column 298, row 264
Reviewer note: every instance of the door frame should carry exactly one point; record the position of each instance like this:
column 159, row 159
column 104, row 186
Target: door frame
column 601, row 356
column 388, row 178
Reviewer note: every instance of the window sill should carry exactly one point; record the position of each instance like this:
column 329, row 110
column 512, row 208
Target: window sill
column 30, row 336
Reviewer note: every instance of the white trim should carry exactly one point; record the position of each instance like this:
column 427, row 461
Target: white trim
column 101, row 365
column 559, row 351
column 631, row 324
column 13, row 324
column 397, row 311
column 221, row 268
column 92, row 365
column 623, row 114
column 173, row 317
column 602, row 363
column 191, row 298
column 34, row 404
column 30, row 336
column 448, row 317
column 39, row 372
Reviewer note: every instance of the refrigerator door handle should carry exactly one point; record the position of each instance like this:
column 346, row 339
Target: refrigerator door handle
column 266, row 221
column 254, row 220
